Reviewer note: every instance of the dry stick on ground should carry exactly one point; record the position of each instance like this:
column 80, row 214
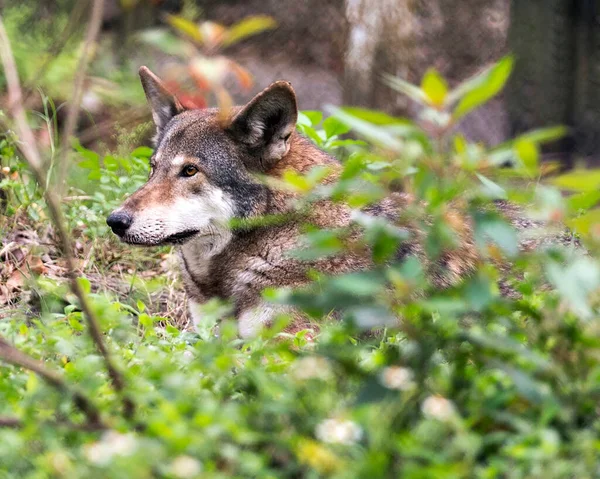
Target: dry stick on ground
column 31, row 154
column 75, row 102
column 11, row 355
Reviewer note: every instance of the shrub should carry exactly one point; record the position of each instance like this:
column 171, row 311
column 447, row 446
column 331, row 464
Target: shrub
column 471, row 383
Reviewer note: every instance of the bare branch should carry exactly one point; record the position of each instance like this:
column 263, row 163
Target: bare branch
column 11, row 355
column 32, row 156
column 75, row 103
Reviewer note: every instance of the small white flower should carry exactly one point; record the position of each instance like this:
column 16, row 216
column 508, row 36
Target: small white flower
column 60, row 463
column 185, row 467
column 91, row 102
column 396, row 377
column 438, row 407
column 338, row 431
column 97, row 453
column 311, row 367
column 112, row 444
column 188, row 355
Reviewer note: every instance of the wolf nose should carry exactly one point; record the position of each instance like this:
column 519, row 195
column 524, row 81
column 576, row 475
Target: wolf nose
column 119, row 222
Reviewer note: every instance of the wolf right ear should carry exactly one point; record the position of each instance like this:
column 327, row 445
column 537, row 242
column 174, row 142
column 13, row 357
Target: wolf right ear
column 266, row 123
column 163, row 103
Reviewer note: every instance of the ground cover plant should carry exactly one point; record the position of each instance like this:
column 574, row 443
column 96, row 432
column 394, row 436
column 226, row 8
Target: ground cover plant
column 102, row 377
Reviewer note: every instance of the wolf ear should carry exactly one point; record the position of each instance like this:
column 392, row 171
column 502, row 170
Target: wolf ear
column 164, row 105
column 266, row 123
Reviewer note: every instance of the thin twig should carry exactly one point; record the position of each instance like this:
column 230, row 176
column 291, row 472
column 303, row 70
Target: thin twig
column 75, row 103
column 11, row 355
column 10, row 422
column 32, row 156
column 78, row 198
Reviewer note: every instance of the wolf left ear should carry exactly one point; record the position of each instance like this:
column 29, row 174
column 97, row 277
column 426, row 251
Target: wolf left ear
column 266, row 123
column 163, row 103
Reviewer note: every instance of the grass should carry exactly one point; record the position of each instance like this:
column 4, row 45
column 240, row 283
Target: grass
column 33, row 263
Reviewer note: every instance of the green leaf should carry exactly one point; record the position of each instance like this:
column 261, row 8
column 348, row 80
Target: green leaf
column 89, row 164
column 491, row 189
column 172, row 330
column 435, row 87
column 75, row 323
column 480, row 89
column 528, row 152
column 491, row 228
column 406, row 88
column 166, row 42
column 342, row 143
column 544, row 135
column 334, row 127
column 296, row 180
column 583, row 201
column 85, row 285
column 311, row 133
column 360, row 284
column 508, row 346
column 579, row 180
column 142, row 152
column 141, row 306
column 87, row 154
column 146, row 320
column 528, row 387
column 374, row 116
column 585, row 223
column 477, row 292
column 575, row 281
column 507, row 151
column 539, row 136
column 310, row 117
column 110, row 163
column 247, row 27
column 373, row 133
column 188, row 28
column 373, row 391
column 369, row 317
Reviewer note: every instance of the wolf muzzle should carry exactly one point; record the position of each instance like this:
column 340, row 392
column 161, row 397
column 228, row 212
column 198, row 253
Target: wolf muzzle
column 119, row 222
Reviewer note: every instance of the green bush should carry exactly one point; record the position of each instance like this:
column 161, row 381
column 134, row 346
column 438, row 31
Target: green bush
column 471, row 383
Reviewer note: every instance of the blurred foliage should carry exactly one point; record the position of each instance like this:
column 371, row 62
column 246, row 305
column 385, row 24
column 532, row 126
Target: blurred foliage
column 469, row 383
column 36, row 61
column 205, row 70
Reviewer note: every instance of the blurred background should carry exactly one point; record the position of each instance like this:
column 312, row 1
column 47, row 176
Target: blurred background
column 334, row 52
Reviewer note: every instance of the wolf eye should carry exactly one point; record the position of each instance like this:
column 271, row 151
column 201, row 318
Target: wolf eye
column 189, row 170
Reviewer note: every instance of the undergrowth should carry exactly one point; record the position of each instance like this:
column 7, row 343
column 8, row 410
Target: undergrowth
column 471, row 383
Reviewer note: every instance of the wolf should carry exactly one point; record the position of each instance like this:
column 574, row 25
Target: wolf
column 208, row 171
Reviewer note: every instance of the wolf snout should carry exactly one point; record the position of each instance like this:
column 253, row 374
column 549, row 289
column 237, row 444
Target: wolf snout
column 119, row 222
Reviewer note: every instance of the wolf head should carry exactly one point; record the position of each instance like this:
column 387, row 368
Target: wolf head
column 202, row 173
